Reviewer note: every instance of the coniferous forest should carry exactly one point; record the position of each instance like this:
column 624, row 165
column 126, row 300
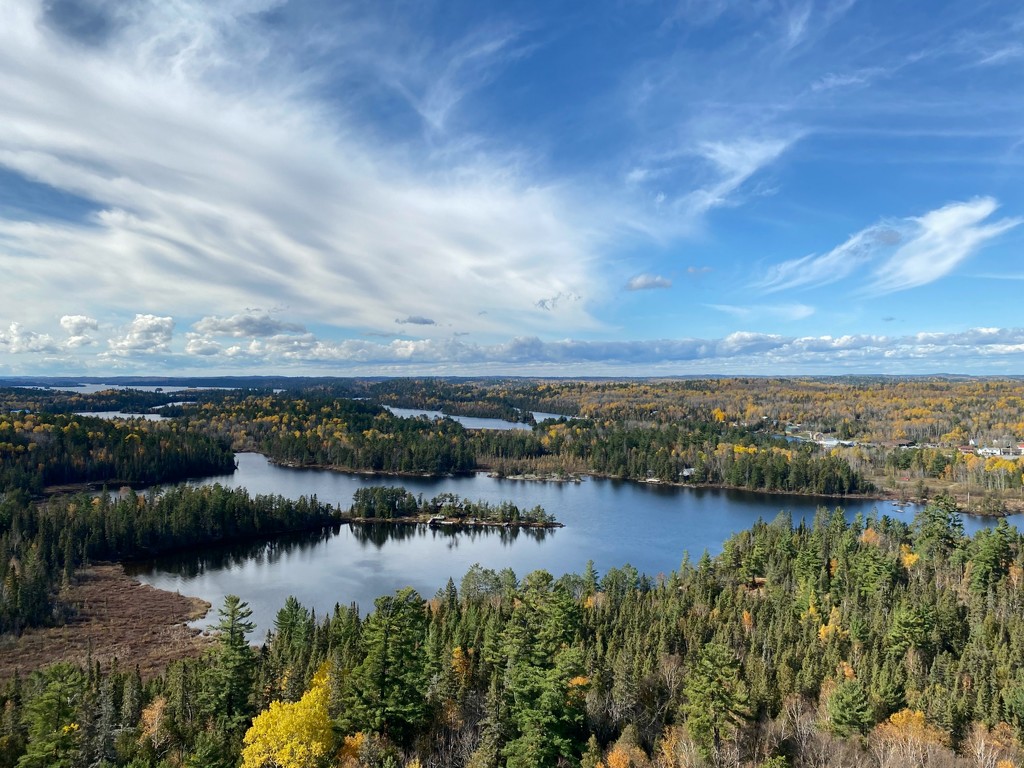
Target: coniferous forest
column 873, row 642
column 863, row 642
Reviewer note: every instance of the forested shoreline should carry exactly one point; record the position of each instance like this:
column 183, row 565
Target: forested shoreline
column 872, row 436
column 871, row 643
column 43, row 544
column 863, row 643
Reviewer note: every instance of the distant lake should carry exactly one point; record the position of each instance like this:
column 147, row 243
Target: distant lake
column 471, row 422
column 91, row 389
column 121, row 415
column 612, row 522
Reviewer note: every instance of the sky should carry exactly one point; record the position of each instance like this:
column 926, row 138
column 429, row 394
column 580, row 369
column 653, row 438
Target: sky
column 615, row 187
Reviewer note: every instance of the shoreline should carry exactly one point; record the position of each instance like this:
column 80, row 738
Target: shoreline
column 1011, row 506
column 449, row 523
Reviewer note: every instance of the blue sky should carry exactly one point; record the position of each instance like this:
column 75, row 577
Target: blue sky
column 605, row 188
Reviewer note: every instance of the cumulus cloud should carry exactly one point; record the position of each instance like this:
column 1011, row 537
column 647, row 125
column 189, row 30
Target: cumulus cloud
column 894, row 256
column 146, row 334
column 245, row 324
column 18, row 340
column 77, row 326
column 203, row 346
column 415, row 320
column 645, row 282
column 735, row 352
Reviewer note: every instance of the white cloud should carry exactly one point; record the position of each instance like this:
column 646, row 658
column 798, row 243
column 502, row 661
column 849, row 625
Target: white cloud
column 734, row 163
column 223, row 194
column 705, row 174
column 742, row 351
column 17, row 340
column 645, row 282
column 895, row 256
column 838, row 264
column 469, row 65
column 146, row 334
column 775, row 311
column 1002, row 54
column 941, row 241
column 77, row 326
column 835, row 80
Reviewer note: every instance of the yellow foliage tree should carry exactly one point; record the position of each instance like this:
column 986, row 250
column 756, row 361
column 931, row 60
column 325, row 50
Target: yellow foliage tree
column 292, row 734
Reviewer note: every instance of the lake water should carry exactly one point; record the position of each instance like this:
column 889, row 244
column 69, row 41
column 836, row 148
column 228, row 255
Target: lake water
column 471, row 422
column 611, row 522
column 91, row 389
column 121, row 415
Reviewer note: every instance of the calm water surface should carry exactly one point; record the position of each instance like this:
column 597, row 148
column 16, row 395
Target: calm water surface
column 121, row 415
column 612, row 522
column 471, row 422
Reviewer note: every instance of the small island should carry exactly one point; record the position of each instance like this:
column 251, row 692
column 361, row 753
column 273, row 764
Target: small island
column 395, row 504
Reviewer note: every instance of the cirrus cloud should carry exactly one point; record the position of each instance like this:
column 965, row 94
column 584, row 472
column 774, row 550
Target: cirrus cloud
column 898, row 255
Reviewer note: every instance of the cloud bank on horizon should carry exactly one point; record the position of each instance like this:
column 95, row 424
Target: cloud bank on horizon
column 653, row 188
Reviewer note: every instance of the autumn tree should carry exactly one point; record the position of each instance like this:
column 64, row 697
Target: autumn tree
column 292, row 734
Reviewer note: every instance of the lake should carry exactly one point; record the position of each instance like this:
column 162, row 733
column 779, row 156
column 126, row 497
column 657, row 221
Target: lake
column 121, row 415
column 612, row 522
column 471, row 422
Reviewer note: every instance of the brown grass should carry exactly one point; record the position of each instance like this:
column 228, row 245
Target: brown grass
column 116, row 618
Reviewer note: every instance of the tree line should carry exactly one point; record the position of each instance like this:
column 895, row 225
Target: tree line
column 43, row 449
column 390, row 502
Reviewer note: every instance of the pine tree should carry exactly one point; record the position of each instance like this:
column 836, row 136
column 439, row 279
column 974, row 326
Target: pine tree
column 849, row 709
column 716, row 698
column 230, row 675
column 51, row 720
column 389, row 684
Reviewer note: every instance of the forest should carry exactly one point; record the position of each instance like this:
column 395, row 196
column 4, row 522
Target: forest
column 868, row 642
column 391, row 502
column 863, row 642
column 43, row 544
column 44, row 449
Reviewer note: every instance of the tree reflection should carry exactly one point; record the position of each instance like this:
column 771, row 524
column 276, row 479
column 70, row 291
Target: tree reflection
column 378, row 534
column 195, row 563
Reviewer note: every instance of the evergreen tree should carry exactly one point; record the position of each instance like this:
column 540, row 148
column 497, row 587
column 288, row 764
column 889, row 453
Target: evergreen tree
column 849, row 709
column 389, row 683
column 51, row 718
column 716, row 698
column 230, row 676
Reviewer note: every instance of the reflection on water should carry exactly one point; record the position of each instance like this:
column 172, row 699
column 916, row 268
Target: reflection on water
column 379, row 534
column 608, row 521
column 469, row 422
column 192, row 564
